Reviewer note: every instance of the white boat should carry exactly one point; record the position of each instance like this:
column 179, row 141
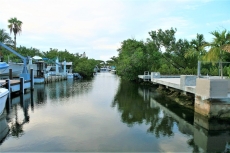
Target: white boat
column 16, row 69
column 51, row 70
column 113, row 71
column 4, row 128
column 69, row 75
column 3, row 96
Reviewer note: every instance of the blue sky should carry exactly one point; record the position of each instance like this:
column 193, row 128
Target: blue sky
column 97, row 27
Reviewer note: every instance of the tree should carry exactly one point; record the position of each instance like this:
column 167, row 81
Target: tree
column 132, row 59
column 218, row 47
column 197, row 50
column 153, row 59
column 165, row 41
column 85, row 67
column 15, row 25
column 5, row 39
column 197, row 47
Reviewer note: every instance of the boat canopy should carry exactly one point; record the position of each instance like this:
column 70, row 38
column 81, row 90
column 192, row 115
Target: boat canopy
column 3, row 65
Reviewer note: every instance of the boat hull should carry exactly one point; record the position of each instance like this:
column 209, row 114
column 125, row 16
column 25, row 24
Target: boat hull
column 3, row 96
column 16, row 70
column 4, row 128
column 70, row 76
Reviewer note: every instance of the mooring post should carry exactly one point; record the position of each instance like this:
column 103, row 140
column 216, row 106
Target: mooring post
column 22, row 85
column 10, row 74
column 9, row 88
column 31, row 79
column 32, row 100
column 198, row 69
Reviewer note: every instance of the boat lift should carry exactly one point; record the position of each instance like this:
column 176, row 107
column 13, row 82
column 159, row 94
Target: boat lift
column 24, row 73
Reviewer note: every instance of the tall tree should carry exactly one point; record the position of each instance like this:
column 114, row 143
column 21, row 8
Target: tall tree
column 15, row 25
column 165, row 42
column 218, row 47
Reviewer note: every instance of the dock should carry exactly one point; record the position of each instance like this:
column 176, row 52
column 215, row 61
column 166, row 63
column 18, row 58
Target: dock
column 49, row 79
column 212, row 94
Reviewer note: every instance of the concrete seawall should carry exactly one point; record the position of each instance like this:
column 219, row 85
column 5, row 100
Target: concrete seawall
column 212, row 98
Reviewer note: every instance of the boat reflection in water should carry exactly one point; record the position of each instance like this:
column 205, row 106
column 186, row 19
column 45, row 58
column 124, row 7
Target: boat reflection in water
column 207, row 135
column 4, row 128
column 18, row 109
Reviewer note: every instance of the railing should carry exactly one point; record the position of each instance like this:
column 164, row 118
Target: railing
column 146, row 76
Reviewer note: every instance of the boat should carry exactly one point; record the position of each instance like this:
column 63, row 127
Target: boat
column 113, row 71
column 51, row 70
column 3, row 65
column 16, row 69
column 77, row 76
column 70, row 76
column 4, row 128
column 3, row 96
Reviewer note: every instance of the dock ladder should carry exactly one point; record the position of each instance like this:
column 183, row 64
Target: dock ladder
column 146, row 76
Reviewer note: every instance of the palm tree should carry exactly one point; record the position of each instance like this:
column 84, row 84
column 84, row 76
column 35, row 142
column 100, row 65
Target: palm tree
column 218, row 47
column 5, row 39
column 15, row 26
column 197, row 50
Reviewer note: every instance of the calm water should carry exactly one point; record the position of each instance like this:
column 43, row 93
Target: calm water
column 104, row 114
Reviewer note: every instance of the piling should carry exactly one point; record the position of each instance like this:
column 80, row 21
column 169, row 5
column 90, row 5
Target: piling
column 31, row 79
column 22, row 85
column 10, row 74
column 9, row 88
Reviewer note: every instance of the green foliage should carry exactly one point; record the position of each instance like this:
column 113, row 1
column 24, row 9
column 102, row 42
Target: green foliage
column 5, row 38
column 164, row 69
column 132, row 59
column 85, row 67
column 218, row 48
column 196, row 49
column 227, row 70
column 204, row 71
column 214, row 71
column 163, row 53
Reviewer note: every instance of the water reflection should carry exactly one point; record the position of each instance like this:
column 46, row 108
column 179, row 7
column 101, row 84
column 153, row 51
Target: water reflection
column 4, row 128
column 133, row 109
column 64, row 89
column 38, row 98
column 207, row 135
column 40, row 94
column 22, row 102
column 77, row 116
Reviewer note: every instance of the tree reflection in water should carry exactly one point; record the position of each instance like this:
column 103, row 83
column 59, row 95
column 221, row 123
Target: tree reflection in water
column 136, row 111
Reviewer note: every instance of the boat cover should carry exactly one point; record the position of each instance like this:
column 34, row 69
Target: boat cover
column 3, row 65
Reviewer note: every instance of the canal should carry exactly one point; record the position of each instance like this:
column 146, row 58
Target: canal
column 105, row 114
